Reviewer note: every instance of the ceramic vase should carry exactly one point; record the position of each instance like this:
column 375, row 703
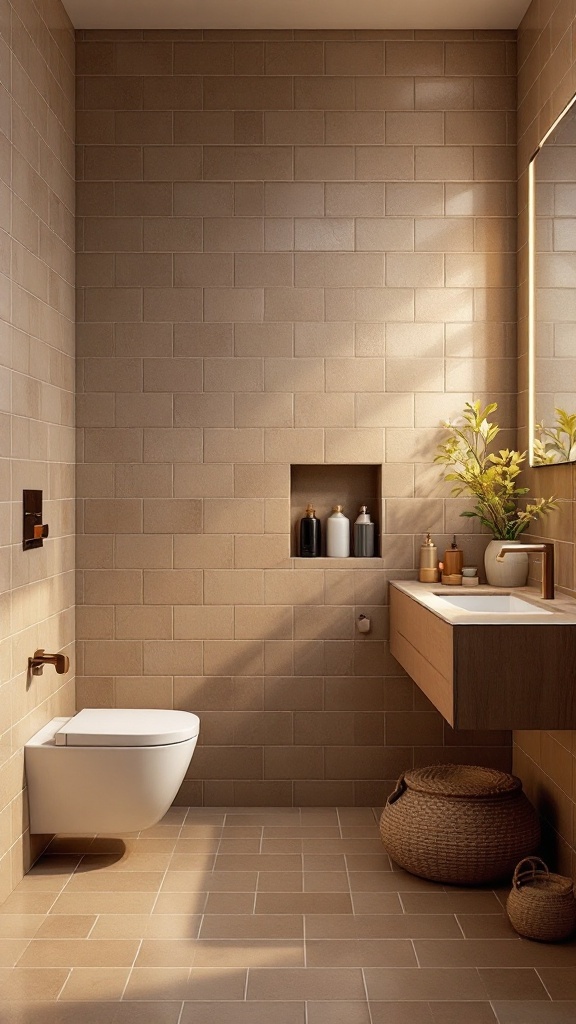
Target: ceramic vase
column 512, row 571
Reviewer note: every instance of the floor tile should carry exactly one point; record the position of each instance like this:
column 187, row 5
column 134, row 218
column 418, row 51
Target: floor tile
column 283, row 846
column 244, row 1013
column 560, row 982
column 451, row 903
column 209, row 881
column 28, row 903
column 50, row 883
column 197, row 846
column 513, row 983
column 245, row 846
column 215, row 983
column 407, row 1013
column 258, row 862
column 39, row 1012
column 20, row 926
column 63, row 926
column 315, row 984
column 525, row 1012
column 377, row 903
column 42, row 953
column 342, row 846
column 157, row 984
column 303, row 903
column 146, row 926
column 72, row 903
column 133, row 859
column 182, row 902
column 326, row 881
column 368, row 862
column 29, row 984
column 94, row 984
column 249, row 953
column 486, row 926
column 386, row 881
column 281, row 881
column 493, row 953
column 52, row 864
column 338, row 1013
column 356, row 816
column 360, row 953
column 319, row 816
column 381, row 926
column 230, row 903
column 166, row 1012
column 301, row 832
column 324, row 862
column 176, row 953
column 422, row 983
column 283, row 817
column 115, row 881
column 254, row 926
column 11, row 950
column 192, row 862
column 454, row 1013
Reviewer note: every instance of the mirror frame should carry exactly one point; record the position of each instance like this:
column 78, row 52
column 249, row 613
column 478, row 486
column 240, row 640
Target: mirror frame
column 532, row 294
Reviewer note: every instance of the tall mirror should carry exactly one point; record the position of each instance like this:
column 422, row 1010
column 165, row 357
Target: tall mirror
column 552, row 294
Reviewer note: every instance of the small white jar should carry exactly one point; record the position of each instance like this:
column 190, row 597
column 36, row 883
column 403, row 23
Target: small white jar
column 338, row 534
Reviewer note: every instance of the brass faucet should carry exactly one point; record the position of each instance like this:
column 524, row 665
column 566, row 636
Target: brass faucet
column 547, row 563
column 36, row 664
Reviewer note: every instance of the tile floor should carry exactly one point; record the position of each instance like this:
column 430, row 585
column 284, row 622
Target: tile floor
column 264, row 916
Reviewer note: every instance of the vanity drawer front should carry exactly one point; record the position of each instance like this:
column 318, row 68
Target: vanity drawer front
column 422, row 643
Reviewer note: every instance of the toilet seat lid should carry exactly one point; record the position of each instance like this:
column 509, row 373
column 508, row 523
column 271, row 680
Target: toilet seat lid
column 127, row 727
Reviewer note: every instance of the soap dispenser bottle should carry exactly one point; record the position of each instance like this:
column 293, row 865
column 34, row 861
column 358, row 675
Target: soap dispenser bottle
column 428, row 565
column 453, row 560
column 364, row 534
column 310, row 534
column 338, row 534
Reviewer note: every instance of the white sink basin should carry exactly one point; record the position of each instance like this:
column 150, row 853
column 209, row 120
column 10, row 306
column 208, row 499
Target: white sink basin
column 492, row 604
column 488, row 607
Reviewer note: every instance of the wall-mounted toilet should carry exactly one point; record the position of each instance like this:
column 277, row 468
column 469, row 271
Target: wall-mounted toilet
column 107, row 770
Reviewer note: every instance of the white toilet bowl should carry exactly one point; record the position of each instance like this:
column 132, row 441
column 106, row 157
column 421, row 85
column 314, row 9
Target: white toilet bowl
column 107, row 769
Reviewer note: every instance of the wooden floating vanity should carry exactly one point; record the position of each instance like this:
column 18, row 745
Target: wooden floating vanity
column 488, row 670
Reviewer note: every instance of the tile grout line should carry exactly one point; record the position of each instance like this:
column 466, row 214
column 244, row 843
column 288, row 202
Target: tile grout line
column 364, row 983
column 542, row 982
column 460, row 926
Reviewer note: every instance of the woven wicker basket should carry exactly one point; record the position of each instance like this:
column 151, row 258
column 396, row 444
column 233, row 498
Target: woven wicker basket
column 541, row 905
column 460, row 824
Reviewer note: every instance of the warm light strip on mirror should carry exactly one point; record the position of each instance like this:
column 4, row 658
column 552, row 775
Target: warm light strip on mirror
column 531, row 309
column 556, row 123
column 532, row 283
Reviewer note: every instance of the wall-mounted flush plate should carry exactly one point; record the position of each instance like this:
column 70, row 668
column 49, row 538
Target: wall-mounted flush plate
column 34, row 530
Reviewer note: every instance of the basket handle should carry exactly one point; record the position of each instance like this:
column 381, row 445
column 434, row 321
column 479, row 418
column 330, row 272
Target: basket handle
column 528, row 874
column 400, row 788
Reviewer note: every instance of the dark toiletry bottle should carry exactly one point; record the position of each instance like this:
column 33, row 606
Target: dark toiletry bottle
column 310, row 534
column 364, row 530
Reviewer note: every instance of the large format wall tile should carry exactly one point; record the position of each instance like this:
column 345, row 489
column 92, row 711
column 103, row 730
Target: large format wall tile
column 293, row 249
column 37, row 355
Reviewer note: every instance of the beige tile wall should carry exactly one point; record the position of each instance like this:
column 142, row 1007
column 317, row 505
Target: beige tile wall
column 294, row 247
column 36, row 388
column 546, row 81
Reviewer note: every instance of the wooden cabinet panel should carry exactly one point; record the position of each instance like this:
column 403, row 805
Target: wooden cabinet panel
column 509, row 676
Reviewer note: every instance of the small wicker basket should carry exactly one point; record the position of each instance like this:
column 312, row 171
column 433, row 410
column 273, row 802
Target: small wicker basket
column 461, row 824
column 541, row 905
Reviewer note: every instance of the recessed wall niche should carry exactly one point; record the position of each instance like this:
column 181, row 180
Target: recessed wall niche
column 326, row 486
